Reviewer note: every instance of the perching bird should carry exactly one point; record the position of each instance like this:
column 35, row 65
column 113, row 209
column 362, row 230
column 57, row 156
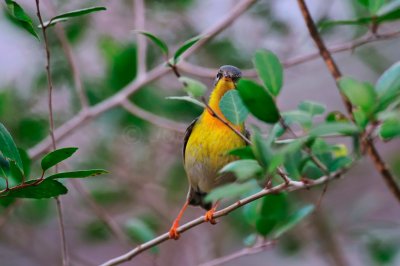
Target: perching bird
column 206, row 144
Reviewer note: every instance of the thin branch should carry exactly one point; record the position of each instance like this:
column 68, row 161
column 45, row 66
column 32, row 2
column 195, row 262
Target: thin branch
column 64, row 252
column 241, row 253
column 379, row 164
column 71, row 59
column 292, row 186
column 157, row 72
column 140, row 18
column 205, row 72
column 152, row 118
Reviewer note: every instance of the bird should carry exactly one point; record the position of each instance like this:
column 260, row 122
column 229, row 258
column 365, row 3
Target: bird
column 206, row 144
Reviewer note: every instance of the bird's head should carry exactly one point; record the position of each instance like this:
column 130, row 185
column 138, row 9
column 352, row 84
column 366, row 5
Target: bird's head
column 228, row 74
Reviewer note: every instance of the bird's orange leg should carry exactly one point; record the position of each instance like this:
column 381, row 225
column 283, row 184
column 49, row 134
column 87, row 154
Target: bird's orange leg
column 173, row 232
column 209, row 216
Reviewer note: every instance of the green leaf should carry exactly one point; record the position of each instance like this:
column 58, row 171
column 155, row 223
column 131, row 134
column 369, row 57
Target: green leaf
column 388, row 86
column 360, row 117
column 71, row 14
column 26, row 162
column 270, row 70
column 261, row 150
column 242, row 152
column 243, row 169
column 189, row 43
column 18, row 13
column 372, row 5
column 360, row 94
column 280, row 156
column 336, row 116
column 272, row 209
column 390, row 15
column 390, row 128
column 193, row 87
column 313, row 108
column 46, row 189
column 297, row 116
column 78, row 174
column 231, row 190
column 293, row 220
column 333, row 128
column 359, row 21
column 54, row 157
column 8, row 147
column 139, row 231
column 187, row 99
column 233, row 108
column 157, row 41
column 258, row 101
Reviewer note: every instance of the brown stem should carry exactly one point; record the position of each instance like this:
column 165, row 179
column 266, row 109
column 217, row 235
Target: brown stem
column 64, row 252
column 334, row 70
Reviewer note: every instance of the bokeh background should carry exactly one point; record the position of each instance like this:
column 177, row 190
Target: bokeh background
column 358, row 222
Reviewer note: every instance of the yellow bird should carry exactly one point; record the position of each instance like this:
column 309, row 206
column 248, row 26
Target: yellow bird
column 206, row 144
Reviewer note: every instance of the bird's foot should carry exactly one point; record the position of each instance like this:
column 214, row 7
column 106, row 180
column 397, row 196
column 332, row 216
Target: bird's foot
column 209, row 216
column 173, row 232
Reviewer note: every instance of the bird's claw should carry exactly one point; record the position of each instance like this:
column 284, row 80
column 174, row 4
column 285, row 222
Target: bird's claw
column 173, row 233
column 209, row 216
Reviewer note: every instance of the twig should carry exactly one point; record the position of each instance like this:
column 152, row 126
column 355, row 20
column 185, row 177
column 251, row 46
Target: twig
column 348, row 46
column 241, row 253
column 379, row 164
column 154, row 119
column 71, row 59
column 64, row 252
column 85, row 115
column 140, row 18
column 292, row 186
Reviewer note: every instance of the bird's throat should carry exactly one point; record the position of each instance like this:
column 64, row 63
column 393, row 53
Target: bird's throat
column 223, row 85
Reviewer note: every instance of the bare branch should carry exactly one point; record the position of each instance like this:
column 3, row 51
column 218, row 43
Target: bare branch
column 152, row 118
column 380, row 165
column 64, row 251
column 292, row 186
column 251, row 73
column 140, row 18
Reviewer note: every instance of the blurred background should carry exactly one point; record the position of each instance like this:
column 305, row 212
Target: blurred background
column 358, row 223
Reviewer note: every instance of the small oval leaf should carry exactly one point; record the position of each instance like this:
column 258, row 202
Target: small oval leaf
column 71, row 14
column 258, row 101
column 270, row 70
column 193, row 87
column 189, row 43
column 233, row 108
column 54, row 157
column 157, row 41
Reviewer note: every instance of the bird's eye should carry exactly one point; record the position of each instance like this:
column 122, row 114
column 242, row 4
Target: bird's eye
column 217, row 78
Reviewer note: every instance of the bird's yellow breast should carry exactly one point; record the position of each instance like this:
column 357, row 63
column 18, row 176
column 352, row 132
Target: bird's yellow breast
column 208, row 145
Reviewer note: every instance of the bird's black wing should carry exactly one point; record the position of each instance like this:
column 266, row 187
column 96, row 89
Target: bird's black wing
column 188, row 132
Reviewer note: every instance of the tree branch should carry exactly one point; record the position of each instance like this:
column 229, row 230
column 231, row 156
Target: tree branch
column 379, row 164
column 251, row 73
column 140, row 18
column 152, row 118
column 64, row 251
column 291, row 186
